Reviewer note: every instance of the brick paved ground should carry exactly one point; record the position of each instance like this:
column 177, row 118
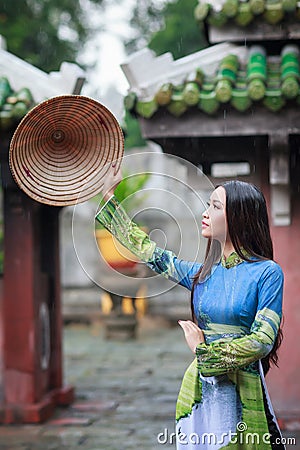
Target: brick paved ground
column 125, row 393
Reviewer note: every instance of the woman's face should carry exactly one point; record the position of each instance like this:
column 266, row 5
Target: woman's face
column 214, row 224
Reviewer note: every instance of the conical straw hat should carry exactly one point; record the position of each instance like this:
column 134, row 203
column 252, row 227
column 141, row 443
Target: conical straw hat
column 63, row 148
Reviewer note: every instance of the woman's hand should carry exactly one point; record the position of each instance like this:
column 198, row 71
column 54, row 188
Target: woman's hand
column 193, row 334
column 111, row 181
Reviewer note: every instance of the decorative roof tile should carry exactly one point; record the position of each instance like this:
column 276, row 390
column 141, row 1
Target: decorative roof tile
column 242, row 13
column 14, row 105
column 272, row 81
column 16, row 100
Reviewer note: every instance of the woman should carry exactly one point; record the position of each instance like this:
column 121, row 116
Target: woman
column 236, row 307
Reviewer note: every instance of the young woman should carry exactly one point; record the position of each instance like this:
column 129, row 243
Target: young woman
column 236, row 309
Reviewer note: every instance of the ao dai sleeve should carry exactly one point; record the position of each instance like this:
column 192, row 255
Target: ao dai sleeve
column 115, row 219
column 223, row 356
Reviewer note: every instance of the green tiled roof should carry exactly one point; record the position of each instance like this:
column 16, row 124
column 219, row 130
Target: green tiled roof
column 13, row 104
column 242, row 13
column 269, row 80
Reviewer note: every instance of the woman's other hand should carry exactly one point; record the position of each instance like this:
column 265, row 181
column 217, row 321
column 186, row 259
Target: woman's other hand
column 193, row 334
column 111, row 181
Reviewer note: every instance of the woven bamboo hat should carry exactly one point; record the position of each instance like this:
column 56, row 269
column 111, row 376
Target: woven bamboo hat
column 63, row 148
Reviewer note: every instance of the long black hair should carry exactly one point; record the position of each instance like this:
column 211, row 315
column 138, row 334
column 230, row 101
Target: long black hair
column 248, row 229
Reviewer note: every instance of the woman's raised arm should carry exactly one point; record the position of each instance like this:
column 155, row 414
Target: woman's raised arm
column 116, row 220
